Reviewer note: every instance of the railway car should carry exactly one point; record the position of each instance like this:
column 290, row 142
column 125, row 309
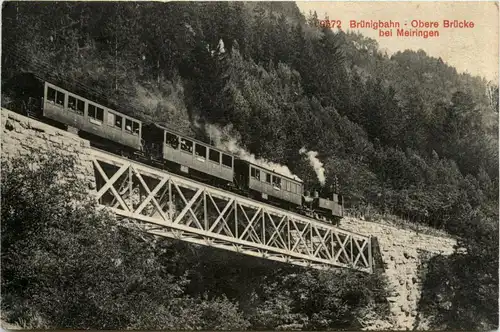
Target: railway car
column 187, row 155
column 269, row 185
column 114, row 131
column 90, row 117
column 41, row 98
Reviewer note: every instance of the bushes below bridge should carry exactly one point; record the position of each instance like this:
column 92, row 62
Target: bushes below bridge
column 460, row 291
column 67, row 264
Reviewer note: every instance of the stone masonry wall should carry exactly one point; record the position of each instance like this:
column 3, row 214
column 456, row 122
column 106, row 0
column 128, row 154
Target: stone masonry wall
column 20, row 134
column 402, row 250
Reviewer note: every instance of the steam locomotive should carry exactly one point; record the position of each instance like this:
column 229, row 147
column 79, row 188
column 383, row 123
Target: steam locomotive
column 165, row 148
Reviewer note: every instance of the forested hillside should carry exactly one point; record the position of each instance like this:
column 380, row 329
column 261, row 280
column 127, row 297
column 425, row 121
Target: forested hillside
column 404, row 134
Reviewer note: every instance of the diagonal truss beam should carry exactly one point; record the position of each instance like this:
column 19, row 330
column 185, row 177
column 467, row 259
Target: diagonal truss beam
column 184, row 209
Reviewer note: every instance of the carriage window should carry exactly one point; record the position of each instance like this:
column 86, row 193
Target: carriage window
column 80, row 106
column 60, row 98
column 200, row 151
column 96, row 114
column 132, row 127
column 51, row 95
column 214, row 156
column 135, row 128
column 128, row 125
column 286, row 185
column 72, row 103
column 268, row 178
column 172, row 140
column 76, row 105
column 115, row 120
column 292, row 188
column 227, row 160
column 255, row 173
column 186, row 145
column 276, row 181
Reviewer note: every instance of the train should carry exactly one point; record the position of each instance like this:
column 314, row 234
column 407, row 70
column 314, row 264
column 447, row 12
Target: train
column 106, row 128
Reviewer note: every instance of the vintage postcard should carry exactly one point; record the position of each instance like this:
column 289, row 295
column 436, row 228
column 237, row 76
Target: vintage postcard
column 232, row 165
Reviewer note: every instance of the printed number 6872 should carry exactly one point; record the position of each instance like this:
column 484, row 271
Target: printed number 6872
column 330, row 24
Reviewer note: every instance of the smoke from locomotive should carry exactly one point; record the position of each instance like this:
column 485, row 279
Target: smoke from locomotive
column 225, row 164
column 316, row 164
column 223, row 139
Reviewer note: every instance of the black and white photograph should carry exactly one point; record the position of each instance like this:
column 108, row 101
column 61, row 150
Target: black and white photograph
column 249, row 166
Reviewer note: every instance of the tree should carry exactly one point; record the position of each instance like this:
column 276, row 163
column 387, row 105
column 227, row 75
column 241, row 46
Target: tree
column 461, row 291
column 66, row 264
column 71, row 265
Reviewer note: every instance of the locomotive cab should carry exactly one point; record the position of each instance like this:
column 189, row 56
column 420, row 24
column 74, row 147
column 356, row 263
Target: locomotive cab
column 329, row 205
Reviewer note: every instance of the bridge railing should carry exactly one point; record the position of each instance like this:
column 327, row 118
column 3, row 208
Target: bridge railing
column 184, row 209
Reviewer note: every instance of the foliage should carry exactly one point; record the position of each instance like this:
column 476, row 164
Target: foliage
column 405, row 134
column 461, row 291
column 279, row 296
column 338, row 299
column 67, row 265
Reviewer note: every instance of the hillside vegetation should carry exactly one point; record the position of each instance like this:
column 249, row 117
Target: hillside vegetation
column 67, row 265
column 404, row 134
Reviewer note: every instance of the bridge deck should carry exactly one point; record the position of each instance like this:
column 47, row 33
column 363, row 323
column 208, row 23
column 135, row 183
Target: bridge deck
column 184, row 209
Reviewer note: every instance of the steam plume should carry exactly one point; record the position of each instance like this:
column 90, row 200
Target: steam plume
column 223, row 139
column 316, row 164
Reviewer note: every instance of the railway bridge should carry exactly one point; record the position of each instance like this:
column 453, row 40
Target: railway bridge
column 176, row 207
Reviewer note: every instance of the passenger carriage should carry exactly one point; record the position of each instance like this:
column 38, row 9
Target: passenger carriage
column 188, row 155
column 39, row 97
column 114, row 130
column 90, row 117
column 268, row 184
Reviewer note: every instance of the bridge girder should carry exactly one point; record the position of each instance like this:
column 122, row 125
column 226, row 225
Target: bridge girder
column 175, row 207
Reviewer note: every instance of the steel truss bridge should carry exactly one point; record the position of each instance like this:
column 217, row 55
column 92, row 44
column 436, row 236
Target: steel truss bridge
column 176, row 207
